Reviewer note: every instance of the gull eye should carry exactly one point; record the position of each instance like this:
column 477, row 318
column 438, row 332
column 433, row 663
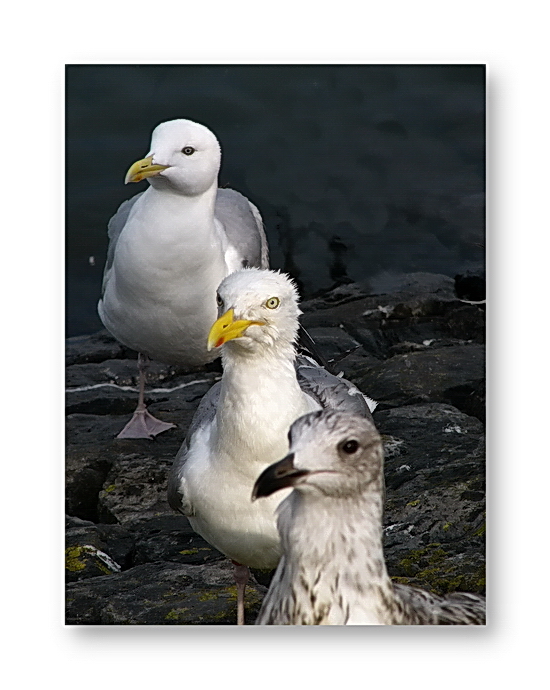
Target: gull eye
column 188, row 150
column 219, row 300
column 350, row 447
column 272, row 303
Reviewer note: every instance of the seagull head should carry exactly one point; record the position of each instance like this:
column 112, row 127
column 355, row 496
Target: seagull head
column 258, row 313
column 331, row 453
column 184, row 157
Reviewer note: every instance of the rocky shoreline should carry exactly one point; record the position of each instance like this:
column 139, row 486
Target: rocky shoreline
column 419, row 351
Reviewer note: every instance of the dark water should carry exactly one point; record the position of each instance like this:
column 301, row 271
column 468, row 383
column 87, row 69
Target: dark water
column 360, row 172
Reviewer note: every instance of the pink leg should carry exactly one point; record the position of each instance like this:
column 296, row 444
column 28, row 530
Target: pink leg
column 241, row 576
column 143, row 424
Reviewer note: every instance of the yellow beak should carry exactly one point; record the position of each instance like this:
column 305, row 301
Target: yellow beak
column 226, row 328
column 142, row 169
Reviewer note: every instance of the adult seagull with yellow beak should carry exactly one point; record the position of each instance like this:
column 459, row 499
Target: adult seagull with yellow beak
column 170, row 247
column 241, row 424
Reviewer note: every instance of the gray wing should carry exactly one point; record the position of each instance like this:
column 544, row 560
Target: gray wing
column 331, row 391
column 457, row 608
column 334, row 392
column 114, row 228
column 244, row 227
column 206, row 411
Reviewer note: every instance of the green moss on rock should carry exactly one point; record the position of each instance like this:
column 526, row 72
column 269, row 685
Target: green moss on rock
column 176, row 614
column 208, row 595
column 192, row 552
column 73, row 554
column 480, row 532
column 251, row 596
column 433, row 568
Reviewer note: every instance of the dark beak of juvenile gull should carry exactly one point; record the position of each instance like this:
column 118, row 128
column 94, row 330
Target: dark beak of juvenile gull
column 280, row 475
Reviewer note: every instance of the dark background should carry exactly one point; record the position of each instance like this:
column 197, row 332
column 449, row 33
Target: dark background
column 361, row 172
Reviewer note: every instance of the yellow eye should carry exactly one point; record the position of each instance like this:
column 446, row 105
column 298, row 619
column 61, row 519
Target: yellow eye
column 272, row 303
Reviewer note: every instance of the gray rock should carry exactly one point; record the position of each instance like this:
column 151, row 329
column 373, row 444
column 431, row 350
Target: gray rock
column 335, row 343
column 86, row 468
column 467, row 322
column 96, row 347
column 418, row 351
column 135, row 488
column 105, row 394
column 446, row 374
column 93, row 550
column 435, row 497
column 169, row 537
column 161, row 594
column 122, row 372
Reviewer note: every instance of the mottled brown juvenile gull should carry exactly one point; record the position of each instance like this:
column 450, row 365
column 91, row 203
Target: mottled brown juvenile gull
column 170, row 247
column 332, row 571
column 241, row 424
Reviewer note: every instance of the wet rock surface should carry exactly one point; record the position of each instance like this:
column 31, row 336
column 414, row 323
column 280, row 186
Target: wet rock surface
column 419, row 351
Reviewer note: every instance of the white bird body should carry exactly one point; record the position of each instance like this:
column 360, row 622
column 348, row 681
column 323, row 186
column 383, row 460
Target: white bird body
column 161, row 272
column 225, row 461
column 241, row 425
column 170, row 247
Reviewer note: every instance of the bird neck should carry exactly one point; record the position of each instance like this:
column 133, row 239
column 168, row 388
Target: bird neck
column 337, row 543
column 192, row 214
column 260, row 398
column 165, row 228
column 347, row 522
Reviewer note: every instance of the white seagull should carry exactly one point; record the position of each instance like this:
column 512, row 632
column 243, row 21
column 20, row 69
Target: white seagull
column 333, row 571
column 170, row 247
column 241, row 424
